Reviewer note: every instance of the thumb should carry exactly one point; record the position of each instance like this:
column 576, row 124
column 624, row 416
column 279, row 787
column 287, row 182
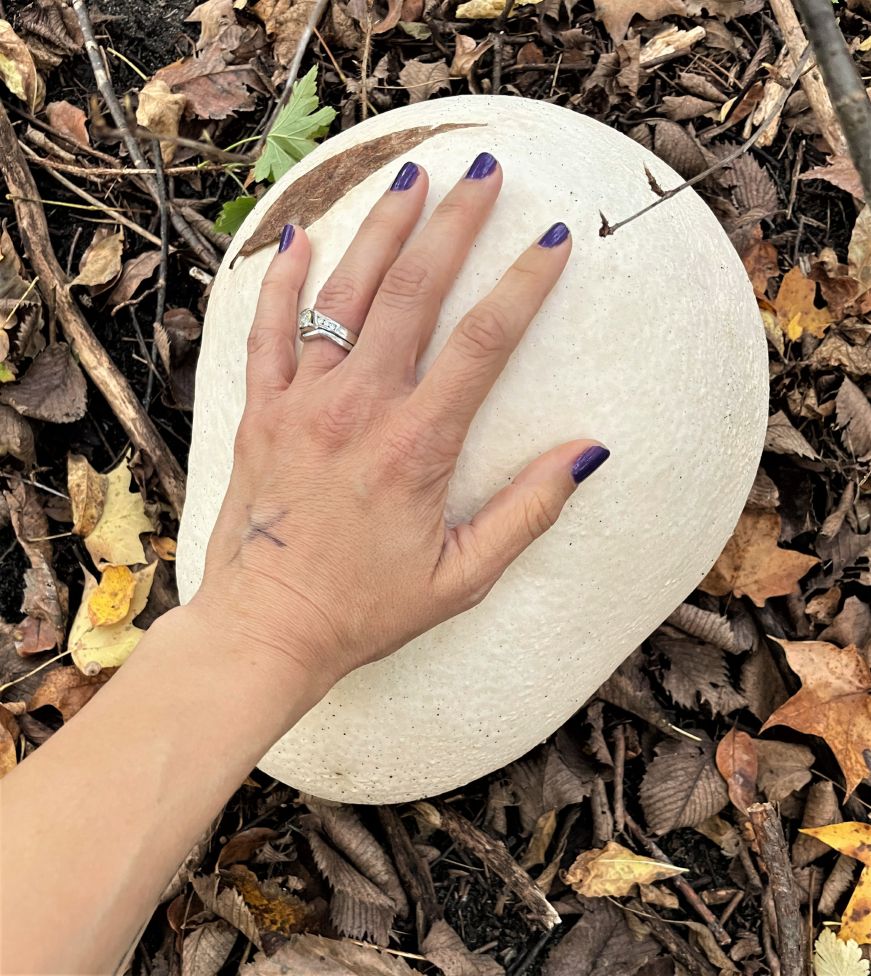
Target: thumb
column 522, row 511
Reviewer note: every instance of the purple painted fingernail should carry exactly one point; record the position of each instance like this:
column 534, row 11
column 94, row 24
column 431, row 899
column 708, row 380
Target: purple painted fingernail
column 406, row 177
column 586, row 463
column 554, row 236
column 482, row 167
column 286, row 238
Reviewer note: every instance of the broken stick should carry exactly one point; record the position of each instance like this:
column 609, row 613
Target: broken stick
column 54, row 289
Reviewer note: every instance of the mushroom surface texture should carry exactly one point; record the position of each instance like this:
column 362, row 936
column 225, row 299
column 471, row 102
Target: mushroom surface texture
column 651, row 342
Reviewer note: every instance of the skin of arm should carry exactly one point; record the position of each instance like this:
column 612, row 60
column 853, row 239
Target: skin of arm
column 330, row 551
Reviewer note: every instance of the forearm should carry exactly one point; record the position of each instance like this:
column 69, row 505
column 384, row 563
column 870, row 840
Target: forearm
column 86, row 848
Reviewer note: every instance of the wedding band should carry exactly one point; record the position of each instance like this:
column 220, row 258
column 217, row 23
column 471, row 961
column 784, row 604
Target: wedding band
column 314, row 325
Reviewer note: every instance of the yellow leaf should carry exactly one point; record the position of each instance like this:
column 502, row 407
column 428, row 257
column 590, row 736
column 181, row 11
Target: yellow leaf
column 17, row 68
column 115, row 537
column 94, row 648
column 854, row 840
column 484, row 9
column 794, row 305
column 615, row 870
column 87, row 491
column 110, row 602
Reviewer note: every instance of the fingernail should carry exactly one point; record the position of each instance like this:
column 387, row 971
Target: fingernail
column 482, row 167
column 406, row 177
column 286, row 238
column 586, row 463
column 554, row 236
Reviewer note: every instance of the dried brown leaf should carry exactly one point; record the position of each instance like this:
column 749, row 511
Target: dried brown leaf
column 391, row 19
column 614, row 871
column 467, row 53
column 423, row 79
column 616, row 15
column 243, row 845
column 854, row 419
column 821, row 809
column 17, row 69
column 784, row 768
column 228, row 904
column 207, row 948
column 628, row 688
column 314, row 956
column 755, row 193
column 9, row 733
column 834, row 703
column 764, row 493
column 851, row 626
column 445, row 949
column 859, row 252
column 51, row 30
column 69, row 120
column 211, row 91
column 675, row 146
column 16, row 436
column 67, row 690
column 707, row 626
column 836, row 351
column 101, row 262
column 753, row 564
column 782, row 438
column 739, row 766
column 87, row 490
column 682, row 108
column 52, row 389
column 760, row 262
column 840, row 172
column 285, row 23
column 160, row 110
column 134, row 272
column 698, row 671
column 836, row 884
column 681, row 787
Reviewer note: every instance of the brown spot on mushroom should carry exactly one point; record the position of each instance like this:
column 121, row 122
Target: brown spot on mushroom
column 313, row 194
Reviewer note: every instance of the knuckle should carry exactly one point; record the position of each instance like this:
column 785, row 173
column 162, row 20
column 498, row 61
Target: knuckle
column 405, row 282
column 417, row 446
column 340, row 291
column 340, row 419
column 539, row 514
column 452, row 211
column 262, row 341
column 484, row 332
column 383, row 227
column 245, row 438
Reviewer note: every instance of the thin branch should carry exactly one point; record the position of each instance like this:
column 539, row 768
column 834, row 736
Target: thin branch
column 607, row 228
column 849, row 98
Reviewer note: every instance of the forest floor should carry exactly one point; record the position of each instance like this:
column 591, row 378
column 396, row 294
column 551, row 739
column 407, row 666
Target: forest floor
column 756, row 690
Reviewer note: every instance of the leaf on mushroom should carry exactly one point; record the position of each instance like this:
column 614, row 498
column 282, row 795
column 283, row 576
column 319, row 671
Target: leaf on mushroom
column 67, row 690
column 108, row 646
column 854, row 840
column 614, row 870
column 114, row 536
column 835, row 957
column 69, row 120
column 833, row 703
column 17, row 69
column 101, row 263
column 52, row 389
column 752, row 564
column 423, row 79
column 681, row 787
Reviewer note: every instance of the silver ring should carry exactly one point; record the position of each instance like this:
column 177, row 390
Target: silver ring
column 314, row 325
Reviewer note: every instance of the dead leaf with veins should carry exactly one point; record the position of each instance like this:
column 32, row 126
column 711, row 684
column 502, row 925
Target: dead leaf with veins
column 317, row 956
column 101, row 263
column 859, row 252
column 854, row 840
column 115, row 536
column 17, row 69
column 446, row 950
column 854, row 419
column 87, row 490
column 285, row 24
column 834, row 703
column 616, row 15
column 423, row 79
column 69, row 120
column 793, row 310
column 94, row 648
column 614, row 871
column 739, row 766
column 134, row 272
column 681, row 787
column 752, row 563
column 760, row 263
column 782, row 438
column 840, row 172
column 53, row 388
column 67, row 690
column 160, row 111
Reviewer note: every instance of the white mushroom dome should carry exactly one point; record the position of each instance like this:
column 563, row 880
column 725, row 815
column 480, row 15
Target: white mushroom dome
column 651, row 342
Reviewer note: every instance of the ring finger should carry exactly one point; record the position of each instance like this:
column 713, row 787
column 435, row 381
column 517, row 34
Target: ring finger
column 348, row 293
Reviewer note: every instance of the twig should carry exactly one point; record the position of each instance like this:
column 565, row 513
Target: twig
column 163, row 208
column 679, row 948
column 495, row 856
column 412, row 868
column 293, row 71
column 812, row 81
column 619, row 773
column 692, row 896
column 111, row 99
column 93, row 357
column 225, row 157
column 124, row 172
column 849, row 98
column 364, row 62
column 115, row 214
column 202, row 225
column 607, row 228
column 784, row 890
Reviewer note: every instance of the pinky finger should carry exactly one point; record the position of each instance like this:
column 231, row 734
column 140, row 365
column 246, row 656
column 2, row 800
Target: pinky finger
column 478, row 552
column 271, row 341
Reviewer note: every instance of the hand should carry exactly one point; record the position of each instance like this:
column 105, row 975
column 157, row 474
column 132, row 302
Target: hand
column 332, row 538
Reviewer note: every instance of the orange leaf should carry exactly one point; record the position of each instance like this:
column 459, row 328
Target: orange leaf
column 833, row 703
column 794, row 305
column 752, row 563
column 854, row 840
column 739, row 766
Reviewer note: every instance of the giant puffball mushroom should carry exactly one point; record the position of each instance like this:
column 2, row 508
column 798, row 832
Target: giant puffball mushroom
column 651, row 342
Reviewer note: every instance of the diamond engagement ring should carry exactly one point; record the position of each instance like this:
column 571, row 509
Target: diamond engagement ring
column 313, row 324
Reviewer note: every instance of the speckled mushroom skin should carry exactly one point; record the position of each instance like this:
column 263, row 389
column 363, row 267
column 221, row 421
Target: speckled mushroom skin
column 650, row 342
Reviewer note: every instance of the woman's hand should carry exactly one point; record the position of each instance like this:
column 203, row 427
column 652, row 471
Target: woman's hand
column 333, row 527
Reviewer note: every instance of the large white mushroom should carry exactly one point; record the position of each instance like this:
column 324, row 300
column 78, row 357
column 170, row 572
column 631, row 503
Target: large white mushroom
column 651, row 342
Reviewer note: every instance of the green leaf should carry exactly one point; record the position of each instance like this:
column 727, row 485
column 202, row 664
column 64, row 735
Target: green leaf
column 419, row 31
column 6, row 374
column 233, row 213
column 295, row 130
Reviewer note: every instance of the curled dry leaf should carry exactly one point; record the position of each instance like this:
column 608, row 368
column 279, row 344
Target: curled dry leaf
column 273, row 910
column 67, row 690
column 68, row 120
column 467, row 54
column 833, row 703
column 87, row 491
column 615, row 870
column 16, row 436
column 17, row 69
column 782, row 438
column 101, row 262
column 115, row 536
column 840, row 172
column 134, row 272
column 51, row 30
column 94, row 648
column 52, row 389
column 9, row 733
column 738, row 765
column 820, row 810
column 229, row 905
column 445, row 949
column 859, row 252
column 854, row 840
column 681, row 787
column 707, row 626
column 160, row 111
column 110, row 601
column 854, row 418
column 207, row 948
column 424, row 79
column 316, row 956
column 753, row 565
column 244, row 845
column 285, row 24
